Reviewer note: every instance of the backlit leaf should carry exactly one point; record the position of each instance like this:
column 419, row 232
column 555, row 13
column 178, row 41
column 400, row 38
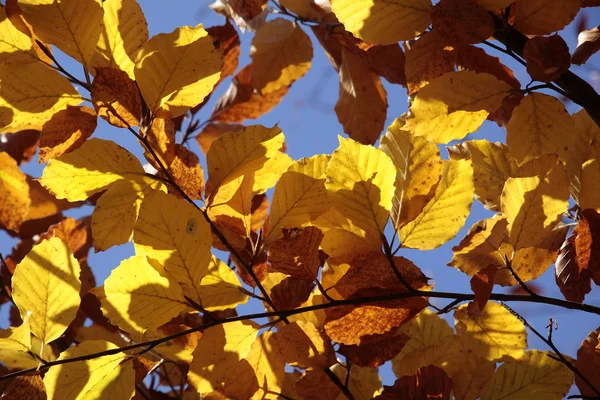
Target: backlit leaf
column 266, row 359
column 542, row 17
column 588, row 362
column 364, row 383
column 590, row 175
column 14, row 193
column 116, row 97
column 220, row 288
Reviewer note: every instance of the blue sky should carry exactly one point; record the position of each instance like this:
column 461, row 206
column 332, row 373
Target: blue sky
column 306, row 116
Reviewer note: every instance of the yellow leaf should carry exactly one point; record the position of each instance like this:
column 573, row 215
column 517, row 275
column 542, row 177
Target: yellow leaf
column 266, row 177
column 73, row 26
column 74, row 380
column 174, row 233
column 281, row 54
column 220, row 289
column 362, row 104
column 117, row 210
column 446, row 213
column 30, row 94
column 437, row 353
column 236, row 154
column 220, row 350
column 15, row 343
column 118, row 384
column 66, row 131
column 589, row 195
column 534, row 201
column 177, row 70
column 455, row 104
column 419, row 167
column 46, row 288
column 90, row 169
column 316, row 317
column 15, row 46
column 360, row 184
column 542, row 17
column 535, row 377
column 303, row 346
column 364, row 383
column 537, row 127
column 125, row 30
column 492, row 166
column 381, row 21
column 300, row 196
column 233, row 202
column 496, row 335
column 14, row 193
column 138, row 297
column 267, row 361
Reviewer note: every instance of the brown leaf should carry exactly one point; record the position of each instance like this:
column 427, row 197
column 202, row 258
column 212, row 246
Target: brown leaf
column 227, row 38
column 304, row 346
column 259, row 211
column 114, row 92
column 476, row 59
column 503, row 113
column 30, row 387
column 66, row 131
column 245, row 13
column 387, row 61
column 579, row 258
column 161, row 137
column 291, row 293
column 428, row 383
column 462, row 22
column 297, row 253
column 142, row 366
column 374, row 350
column 588, row 43
column 260, row 267
column 426, row 59
column 314, row 384
column 588, row 363
column 187, row 172
column 482, row 284
column 241, row 102
column 21, row 146
column 77, row 234
column 547, row 57
column 362, row 104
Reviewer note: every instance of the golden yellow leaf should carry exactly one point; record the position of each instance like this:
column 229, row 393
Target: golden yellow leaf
column 66, row 131
column 492, row 166
column 15, row 343
column 124, row 31
column 419, row 167
column 138, row 297
column 90, row 169
column 537, row 376
column 220, row 288
column 316, row 317
column 232, row 203
column 117, row 210
column 240, row 153
column 383, row 22
column 177, row 70
column 542, row 17
column 15, row 46
column 46, row 288
column 364, row 383
column 31, row 94
column 496, row 335
column 174, row 233
column 425, row 330
column 300, row 196
column 360, row 184
column 455, row 104
column 118, row 384
column 446, row 212
column 589, row 195
column 267, row 361
column 266, row 177
column 534, row 201
column 362, row 104
column 73, row 26
column 14, row 193
column 537, row 127
column 74, row 380
column 281, row 54
column 187, row 172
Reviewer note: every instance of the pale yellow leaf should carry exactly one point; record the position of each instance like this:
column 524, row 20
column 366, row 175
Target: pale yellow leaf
column 360, row 184
column 30, row 94
column 266, row 177
column 381, row 21
column 125, row 30
column 364, row 383
column 534, row 201
column 117, row 210
column 46, row 288
column 15, row 342
column 72, row 381
column 73, row 26
column 300, row 196
column 177, row 70
column 455, row 104
column 496, row 335
column 281, row 54
column 15, row 46
column 537, row 127
column 14, row 193
column 425, row 330
column 536, row 376
column 419, row 167
column 138, row 297
column 90, row 169
column 118, row 384
column 589, row 195
column 220, row 289
column 175, row 233
column 542, row 17
column 446, row 213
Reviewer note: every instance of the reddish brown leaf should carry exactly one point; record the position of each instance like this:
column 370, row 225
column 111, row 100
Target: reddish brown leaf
column 66, row 131
column 245, row 13
column 461, row 22
column 547, row 57
column 260, row 267
column 187, row 172
column 260, row 206
column 297, row 253
column 428, row 383
column 25, row 387
column 503, row 113
column 588, row 363
column 314, row 384
column 227, row 38
column 77, row 234
column 114, row 93
column 374, row 350
column 588, row 43
column 291, row 293
column 21, row 146
column 482, row 284
column 387, row 62
column 476, row 59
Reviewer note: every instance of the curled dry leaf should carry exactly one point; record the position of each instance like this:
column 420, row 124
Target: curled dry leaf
column 246, row 14
column 547, row 57
column 588, row 43
column 227, row 38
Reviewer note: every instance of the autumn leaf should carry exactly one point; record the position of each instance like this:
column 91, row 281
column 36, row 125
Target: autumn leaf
column 220, row 288
column 116, row 97
column 542, row 17
column 16, row 200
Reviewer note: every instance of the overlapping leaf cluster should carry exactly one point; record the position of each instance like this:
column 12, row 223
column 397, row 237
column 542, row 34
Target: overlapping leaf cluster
column 340, row 300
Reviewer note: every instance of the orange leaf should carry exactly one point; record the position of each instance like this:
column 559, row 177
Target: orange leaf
column 427, row 59
column 462, row 21
column 374, row 350
column 297, row 253
column 428, row 383
column 113, row 91
column 66, row 131
column 588, row 363
column 476, row 59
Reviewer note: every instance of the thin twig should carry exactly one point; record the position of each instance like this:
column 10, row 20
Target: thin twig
column 333, row 377
column 508, row 265
column 323, row 291
column 48, row 53
column 390, row 257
